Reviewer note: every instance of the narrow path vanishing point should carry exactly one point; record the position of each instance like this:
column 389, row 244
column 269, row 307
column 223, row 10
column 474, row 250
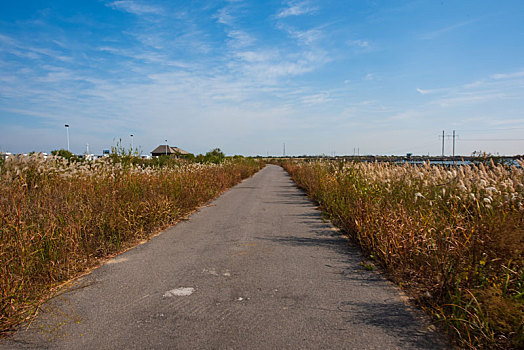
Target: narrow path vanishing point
column 255, row 269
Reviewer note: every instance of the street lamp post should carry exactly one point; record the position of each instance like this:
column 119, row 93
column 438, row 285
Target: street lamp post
column 132, row 142
column 166, row 147
column 67, row 133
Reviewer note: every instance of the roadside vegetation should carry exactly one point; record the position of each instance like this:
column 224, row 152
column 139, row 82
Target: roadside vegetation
column 60, row 215
column 453, row 238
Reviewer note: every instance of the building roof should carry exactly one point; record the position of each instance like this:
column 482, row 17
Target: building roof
column 179, row 150
column 166, row 149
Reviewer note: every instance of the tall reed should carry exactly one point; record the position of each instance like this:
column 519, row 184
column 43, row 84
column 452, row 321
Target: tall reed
column 452, row 237
column 58, row 218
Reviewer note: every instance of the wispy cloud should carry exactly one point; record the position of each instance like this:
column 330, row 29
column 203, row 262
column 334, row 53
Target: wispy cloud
column 360, row 43
column 315, row 99
column 439, row 32
column 147, row 56
column 519, row 74
column 431, row 91
column 134, row 7
column 306, row 37
column 224, row 16
column 240, row 38
column 23, row 50
column 296, row 8
column 268, row 71
column 256, row 56
column 423, row 92
column 267, row 64
column 406, row 115
column 496, row 86
column 29, row 112
column 468, row 98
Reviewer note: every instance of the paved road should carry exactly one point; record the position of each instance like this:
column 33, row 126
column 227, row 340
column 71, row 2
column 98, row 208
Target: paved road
column 256, row 269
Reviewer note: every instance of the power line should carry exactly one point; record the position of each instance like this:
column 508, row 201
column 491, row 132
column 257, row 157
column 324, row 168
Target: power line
column 492, row 129
column 491, row 139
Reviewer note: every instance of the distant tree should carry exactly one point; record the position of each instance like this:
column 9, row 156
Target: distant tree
column 215, row 153
column 189, row 157
column 214, row 156
column 63, row 153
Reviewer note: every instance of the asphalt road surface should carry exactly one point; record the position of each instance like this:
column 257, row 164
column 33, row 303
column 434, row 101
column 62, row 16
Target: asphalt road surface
column 257, row 268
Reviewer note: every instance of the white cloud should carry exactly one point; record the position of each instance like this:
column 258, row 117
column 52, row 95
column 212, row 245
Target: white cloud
column 437, row 33
column 316, row 98
column 431, row 91
column 257, row 56
column 240, row 39
column 135, row 7
column 518, row 74
column 363, row 44
column 296, row 8
column 7, row 40
column 21, row 49
column 306, row 37
column 406, row 115
column 224, row 17
column 474, row 84
column 269, row 71
column 29, row 112
column 496, row 86
column 465, row 99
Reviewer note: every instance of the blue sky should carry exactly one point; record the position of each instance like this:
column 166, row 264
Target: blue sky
column 384, row 77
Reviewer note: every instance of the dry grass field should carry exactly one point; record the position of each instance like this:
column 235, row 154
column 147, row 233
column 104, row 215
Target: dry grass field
column 59, row 218
column 451, row 237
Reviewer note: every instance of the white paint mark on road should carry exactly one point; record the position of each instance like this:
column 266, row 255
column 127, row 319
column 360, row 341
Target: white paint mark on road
column 210, row 271
column 179, row 292
column 213, row 271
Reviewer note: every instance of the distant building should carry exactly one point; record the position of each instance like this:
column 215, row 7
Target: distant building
column 163, row 150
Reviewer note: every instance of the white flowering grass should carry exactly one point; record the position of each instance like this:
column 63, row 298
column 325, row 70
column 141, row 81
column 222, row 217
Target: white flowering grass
column 57, row 218
column 453, row 237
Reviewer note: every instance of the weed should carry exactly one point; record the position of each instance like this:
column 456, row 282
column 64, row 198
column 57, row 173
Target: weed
column 453, row 237
column 59, row 216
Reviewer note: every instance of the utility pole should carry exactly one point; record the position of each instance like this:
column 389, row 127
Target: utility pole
column 284, row 149
column 132, row 142
column 453, row 144
column 443, row 143
column 444, row 136
column 166, row 147
column 67, row 133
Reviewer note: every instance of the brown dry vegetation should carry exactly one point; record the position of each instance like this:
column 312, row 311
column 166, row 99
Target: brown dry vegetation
column 58, row 218
column 453, row 238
